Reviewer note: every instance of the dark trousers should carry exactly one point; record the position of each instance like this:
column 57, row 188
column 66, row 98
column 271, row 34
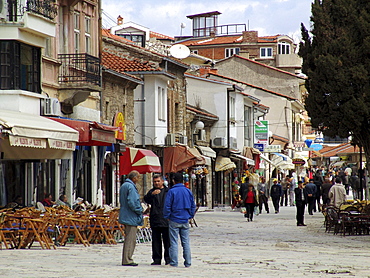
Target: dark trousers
column 311, row 205
column 250, row 208
column 275, row 202
column 159, row 235
column 263, row 200
column 300, row 213
column 284, row 196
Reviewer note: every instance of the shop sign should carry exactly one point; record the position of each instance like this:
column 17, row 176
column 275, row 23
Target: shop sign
column 261, row 132
column 27, row 142
column 259, row 147
column 298, row 161
column 272, row 149
column 119, row 121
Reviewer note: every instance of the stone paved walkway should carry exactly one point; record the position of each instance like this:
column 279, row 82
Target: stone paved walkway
column 223, row 245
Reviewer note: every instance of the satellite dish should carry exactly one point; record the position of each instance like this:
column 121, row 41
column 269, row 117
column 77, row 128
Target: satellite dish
column 179, row 51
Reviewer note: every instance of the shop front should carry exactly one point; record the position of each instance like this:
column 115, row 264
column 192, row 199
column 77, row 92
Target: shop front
column 35, row 155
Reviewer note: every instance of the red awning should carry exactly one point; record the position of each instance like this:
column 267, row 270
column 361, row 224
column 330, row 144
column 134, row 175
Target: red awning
column 90, row 133
column 179, row 158
column 143, row 161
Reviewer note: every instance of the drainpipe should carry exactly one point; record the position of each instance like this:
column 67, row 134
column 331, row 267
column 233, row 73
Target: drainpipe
column 143, row 125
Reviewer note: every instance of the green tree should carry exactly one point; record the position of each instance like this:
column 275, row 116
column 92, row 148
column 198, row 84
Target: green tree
column 336, row 60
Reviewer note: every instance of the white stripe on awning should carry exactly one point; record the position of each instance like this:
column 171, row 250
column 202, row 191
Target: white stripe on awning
column 248, row 160
column 207, row 151
column 35, row 126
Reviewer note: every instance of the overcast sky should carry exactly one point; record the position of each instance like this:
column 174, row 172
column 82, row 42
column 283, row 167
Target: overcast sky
column 268, row 17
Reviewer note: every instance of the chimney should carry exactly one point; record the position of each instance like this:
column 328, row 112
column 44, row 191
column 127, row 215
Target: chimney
column 119, row 20
column 250, row 36
column 244, row 53
column 203, row 71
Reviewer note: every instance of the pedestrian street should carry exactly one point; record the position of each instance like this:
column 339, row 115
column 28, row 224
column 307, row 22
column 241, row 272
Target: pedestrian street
column 223, row 245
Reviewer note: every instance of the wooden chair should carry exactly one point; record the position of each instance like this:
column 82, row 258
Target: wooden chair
column 8, row 233
column 75, row 226
column 101, row 229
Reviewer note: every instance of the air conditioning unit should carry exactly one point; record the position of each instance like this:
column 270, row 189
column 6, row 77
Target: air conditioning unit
column 233, row 143
column 219, row 142
column 50, row 107
column 2, row 9
column 183, row 140
column 170, row 139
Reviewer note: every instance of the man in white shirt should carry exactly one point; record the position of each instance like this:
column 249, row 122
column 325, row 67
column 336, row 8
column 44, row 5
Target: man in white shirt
column 337, row 193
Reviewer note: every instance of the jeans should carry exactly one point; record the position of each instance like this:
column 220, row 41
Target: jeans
column 181, row 229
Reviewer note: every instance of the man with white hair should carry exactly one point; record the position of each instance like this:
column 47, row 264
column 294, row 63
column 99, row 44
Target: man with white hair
column 337, row 193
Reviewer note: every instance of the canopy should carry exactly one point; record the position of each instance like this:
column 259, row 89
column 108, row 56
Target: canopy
column 143, row 161
column 223, row 164
column 180, row 157
column 207, row 151
column 247, row 160
column 90, row 133
column 282, row 161
column 29, row 136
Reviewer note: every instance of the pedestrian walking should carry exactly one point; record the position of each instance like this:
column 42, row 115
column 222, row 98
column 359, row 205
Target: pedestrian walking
column 262, row 195
column 276, row 193
column 337, row 193
column 311, row 193
column 178, row 209
column 300, row 202
column 325, row 191
column 131, row 215
column 159, row 225
column 285, row 184
column 250, row 202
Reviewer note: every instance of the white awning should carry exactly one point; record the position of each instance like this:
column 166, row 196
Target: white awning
column 267, row 160
column 28, row 136
column 207, row 151
column 248, row 160
column 224, row 164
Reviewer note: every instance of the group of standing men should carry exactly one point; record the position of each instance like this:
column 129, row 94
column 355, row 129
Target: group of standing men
column 170, row 212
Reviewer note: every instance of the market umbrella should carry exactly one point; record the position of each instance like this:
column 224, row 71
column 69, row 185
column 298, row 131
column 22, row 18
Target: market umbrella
column 141, row 160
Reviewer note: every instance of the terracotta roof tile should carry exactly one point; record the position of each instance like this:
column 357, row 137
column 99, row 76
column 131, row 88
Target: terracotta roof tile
column 201, row 111
column 268, row 38
column 329, row 151
column 215, row 40
column 160, row 36
column 122, row 65
column 253, row 86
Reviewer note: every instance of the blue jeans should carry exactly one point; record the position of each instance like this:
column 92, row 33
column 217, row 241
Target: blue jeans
column 181, row 229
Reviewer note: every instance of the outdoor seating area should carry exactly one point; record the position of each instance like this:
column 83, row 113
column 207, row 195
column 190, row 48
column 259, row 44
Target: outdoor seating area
column 352, row 218
column 59, row 226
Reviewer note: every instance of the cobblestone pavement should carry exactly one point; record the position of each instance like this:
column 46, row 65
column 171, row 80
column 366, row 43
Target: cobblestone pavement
column 223, row 245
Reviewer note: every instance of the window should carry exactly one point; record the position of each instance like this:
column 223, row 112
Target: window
column 195, row 51
column 88, row 34
column 137, row 39
column 247, row 122
column 76, row 18
column 161, row 104
column 231, row 51
column 266, row 52
column 232, row 108
column 283, row 48
column 19, row 66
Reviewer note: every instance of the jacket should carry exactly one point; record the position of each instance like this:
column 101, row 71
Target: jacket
column 130, row 212
column 298, row 197
column 337, row 195
column 179, row 205
column 311, row 189
column 276, row 191
column 156, row 210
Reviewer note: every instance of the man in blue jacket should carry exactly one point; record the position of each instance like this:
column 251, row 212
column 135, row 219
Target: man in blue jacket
column 131, row 215
column 179, row 207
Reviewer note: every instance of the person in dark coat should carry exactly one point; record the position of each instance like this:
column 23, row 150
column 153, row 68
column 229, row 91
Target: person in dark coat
column 243, row 190
column 325, row 191
column 159, row 225
column 318, row 181
column 300, row 202
column 276, row 192
column 311, row 191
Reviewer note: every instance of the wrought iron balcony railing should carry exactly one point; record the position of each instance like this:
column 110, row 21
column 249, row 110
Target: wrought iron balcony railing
column 15, row 9
column 44, row 8
column 79, row 68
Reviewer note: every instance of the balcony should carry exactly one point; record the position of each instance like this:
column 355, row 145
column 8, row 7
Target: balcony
column 229, row 29
column 288, row 61
column 21, row 20
column 79, row 75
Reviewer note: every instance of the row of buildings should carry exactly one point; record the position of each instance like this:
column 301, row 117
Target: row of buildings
column 80, row 105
